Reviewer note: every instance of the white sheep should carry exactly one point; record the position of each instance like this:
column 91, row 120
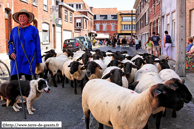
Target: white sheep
column 72, row 74
column 136, row 56
column 145, row 68
column 119, row 107
column 124, row 79
column 107, row 60
column 167, row 74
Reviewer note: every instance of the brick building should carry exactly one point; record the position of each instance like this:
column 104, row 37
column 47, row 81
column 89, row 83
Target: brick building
column 154, row 16
column 83, row 17
column 105, row 22
column 142, row 19
column 50, row 20
column 190, row 18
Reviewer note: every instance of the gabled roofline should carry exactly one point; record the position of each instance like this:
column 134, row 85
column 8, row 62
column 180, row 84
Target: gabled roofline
column 86, row 10
column 81, row 16
column 67, row 6
column 136, row 4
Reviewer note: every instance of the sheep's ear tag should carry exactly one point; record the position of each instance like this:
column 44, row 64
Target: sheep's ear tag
column 54, row 55
column 157, row 92
column 78, row 59
column 83, row 67
column 99, row 67
column 124, row 75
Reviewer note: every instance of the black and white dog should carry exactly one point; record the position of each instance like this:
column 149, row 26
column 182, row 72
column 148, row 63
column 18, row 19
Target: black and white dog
column 31, row 90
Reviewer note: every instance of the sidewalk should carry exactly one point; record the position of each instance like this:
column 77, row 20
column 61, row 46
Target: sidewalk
column 189, row 79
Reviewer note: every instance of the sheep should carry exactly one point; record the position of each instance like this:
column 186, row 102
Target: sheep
column 161, row 64
column 145, row 68
column 107, row 60
column 114, row 74
column 122, row 108
column 55, row 64
column 93, row 70
column 41, row 68
column 72, row 70
column 136, row 56
column 146, row 81
column 139, row 62
column 130, row 68
column 169, row 74
column 114, row 63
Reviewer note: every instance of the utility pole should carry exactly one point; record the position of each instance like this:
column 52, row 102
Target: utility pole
column 181, row 37
column 131, row 24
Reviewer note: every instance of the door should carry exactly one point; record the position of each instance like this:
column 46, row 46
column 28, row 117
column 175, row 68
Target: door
column 58, row 38
column 66, row 35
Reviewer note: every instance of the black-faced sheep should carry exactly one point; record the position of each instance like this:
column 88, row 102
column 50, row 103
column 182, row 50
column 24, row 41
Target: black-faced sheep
column 122, row 108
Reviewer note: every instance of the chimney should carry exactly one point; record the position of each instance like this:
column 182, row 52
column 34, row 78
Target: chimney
column 91, row 9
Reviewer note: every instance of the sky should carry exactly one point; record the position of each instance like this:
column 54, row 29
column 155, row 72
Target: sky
column 120, row 4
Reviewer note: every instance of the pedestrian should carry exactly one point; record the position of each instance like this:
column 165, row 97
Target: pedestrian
column 157, row 44
column 124, row 41
column 139, row 44
column 114, row 40
column 167, row 44
column 150, row 45
column 118, row 42
column 136, row 43
column 94, row 41
column 190, row 44
column 25, row 39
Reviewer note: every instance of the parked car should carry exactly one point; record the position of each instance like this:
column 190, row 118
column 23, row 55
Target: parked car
column 86, row 42
column 74, row 43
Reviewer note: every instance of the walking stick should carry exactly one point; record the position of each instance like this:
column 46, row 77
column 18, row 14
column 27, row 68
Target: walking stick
column 19, row 83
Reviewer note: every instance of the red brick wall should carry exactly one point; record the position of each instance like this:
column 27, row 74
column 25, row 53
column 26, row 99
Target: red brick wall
column 154, row 15
column 189, row 7
column 108, row 27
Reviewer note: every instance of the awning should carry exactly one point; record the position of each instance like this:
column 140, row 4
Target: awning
column 102, row 35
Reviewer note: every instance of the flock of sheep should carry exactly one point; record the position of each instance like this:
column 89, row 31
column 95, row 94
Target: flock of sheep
column 122, row 91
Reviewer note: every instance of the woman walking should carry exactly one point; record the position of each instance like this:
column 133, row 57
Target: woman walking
column 167, row 44
column 150, row 45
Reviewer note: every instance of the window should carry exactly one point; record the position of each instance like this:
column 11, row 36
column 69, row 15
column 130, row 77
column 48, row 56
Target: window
column 126, row 18
column 97, row 27
column 26, row 1
column 134, row 27
column 78, row 6
column 103, row 17
column 192, row 23
column 91, row 21
column 97, row 17
column 71, row 5
column 70, row 17
column 112, row 27
column 45, row 5
column 34, row 2
column 78, row 23
column 104, row 27
column 109, row 17
column 45, row 33
column 134, row 18
column 126, row 27
column 53, row 2
column 113, row 16
column 66, row 15
column 173, row 30
column 147, row 18
column 85, row 24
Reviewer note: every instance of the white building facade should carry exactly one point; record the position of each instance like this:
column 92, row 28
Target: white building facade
column 168, row 22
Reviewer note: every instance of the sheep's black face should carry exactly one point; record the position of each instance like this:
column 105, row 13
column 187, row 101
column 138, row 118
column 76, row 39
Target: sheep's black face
column 138, row 62
column 180, row 88
column 116, row 76
column 85, row 58
column 150, row 59
column 69, row 53
column 74, row 67
column 164, row 64
column 113, row 63
column 91, row 68
column 96, row 57
column 167, row 97
column 118, row 56
column 127, row 68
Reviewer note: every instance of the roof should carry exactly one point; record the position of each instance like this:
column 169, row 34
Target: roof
column 126, row 11
column 84, row 7
column 104, row 11
column 72, row 1
column 77, row 13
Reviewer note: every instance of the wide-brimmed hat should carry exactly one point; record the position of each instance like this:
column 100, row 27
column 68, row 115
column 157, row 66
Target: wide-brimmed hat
column 16, row 15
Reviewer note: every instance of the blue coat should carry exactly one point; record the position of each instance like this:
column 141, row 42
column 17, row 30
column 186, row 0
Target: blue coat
column 31, row 42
